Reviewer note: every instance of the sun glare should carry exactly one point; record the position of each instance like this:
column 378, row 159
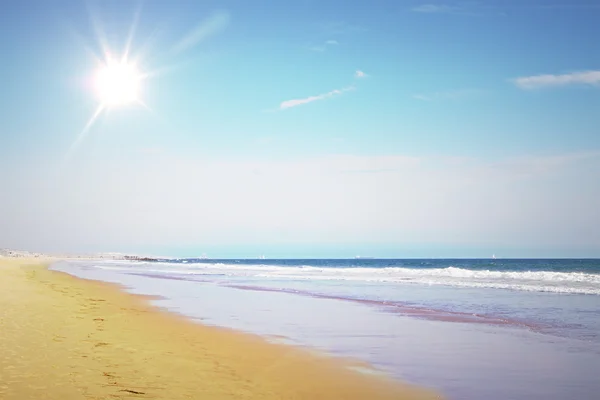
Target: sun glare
column 117, row 83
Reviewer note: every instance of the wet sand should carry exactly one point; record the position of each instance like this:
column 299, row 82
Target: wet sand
column 388, row 306
column 396, row 307
column 67, row 338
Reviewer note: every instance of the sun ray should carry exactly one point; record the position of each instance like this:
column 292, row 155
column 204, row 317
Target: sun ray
column 118, row 77
column 143, row 104
column 210, row 26
column 85, row 130
column 145, row 50
column 81, row 41
column 99, row 32
column 163, row 70
column 132, row 29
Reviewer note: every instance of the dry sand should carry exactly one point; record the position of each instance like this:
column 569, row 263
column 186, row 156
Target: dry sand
column 67, row 338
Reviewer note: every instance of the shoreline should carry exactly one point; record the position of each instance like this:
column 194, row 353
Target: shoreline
column 64, row 337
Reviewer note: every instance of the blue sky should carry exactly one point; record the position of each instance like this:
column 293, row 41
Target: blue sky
column 305, row 128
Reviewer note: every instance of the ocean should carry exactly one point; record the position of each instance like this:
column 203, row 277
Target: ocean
column 472, row 329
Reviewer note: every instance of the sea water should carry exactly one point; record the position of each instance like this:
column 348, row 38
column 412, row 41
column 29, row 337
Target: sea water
column 473, row 329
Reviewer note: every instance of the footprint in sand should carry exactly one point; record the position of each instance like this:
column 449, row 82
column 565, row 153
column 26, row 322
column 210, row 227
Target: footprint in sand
column 58, row 338
column 99, row 323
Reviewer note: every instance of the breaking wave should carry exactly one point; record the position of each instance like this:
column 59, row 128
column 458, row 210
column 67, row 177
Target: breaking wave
column 537, row 281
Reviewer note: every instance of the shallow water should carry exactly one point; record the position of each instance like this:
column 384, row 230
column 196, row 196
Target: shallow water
column 470, row 342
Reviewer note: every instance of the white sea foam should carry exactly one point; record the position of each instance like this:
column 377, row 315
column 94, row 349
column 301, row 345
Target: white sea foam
column 537, row 281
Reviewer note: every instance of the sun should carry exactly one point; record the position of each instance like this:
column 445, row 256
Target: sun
column 117, row 83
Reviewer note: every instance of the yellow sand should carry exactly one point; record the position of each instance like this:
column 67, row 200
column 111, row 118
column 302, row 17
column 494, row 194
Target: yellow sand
column 67, row 338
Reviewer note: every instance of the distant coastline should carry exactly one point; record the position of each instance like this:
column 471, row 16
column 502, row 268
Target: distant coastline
column 10, row 253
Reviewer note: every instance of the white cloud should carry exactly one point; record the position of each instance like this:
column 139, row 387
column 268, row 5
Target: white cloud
column 297, row 102
column 214, row 24
column 342, row 28
column 548, row 80
column 323, row 47
column 565, row 6
column 422, row 97
column 479, row 8
column 472, row 9
column 432, row 8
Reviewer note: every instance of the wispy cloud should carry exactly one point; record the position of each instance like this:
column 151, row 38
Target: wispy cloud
column 549, row 80
column 421, row 97
column 342, row 28
column 212, row 25
column 298, row 102
column 471, row 8
column 433, row 8
column 449, row 95
column 324, row 46
column 479, row 8
column 567, row 6
column 336, row 92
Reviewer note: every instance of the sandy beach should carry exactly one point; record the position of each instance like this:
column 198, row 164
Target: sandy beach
column 67, row 338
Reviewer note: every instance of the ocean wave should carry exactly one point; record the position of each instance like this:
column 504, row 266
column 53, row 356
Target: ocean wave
column 540, row 281
column 515, row 285
column 448, row 272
